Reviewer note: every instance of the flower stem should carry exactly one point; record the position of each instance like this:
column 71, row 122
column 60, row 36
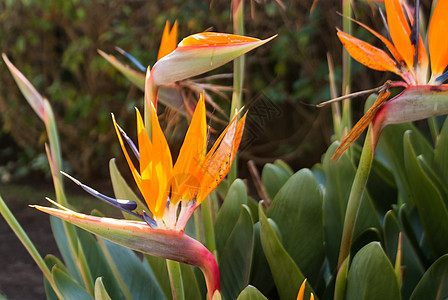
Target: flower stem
column 238, row 75
column 28, row 244
column 358, row 188
column 207, row 219
column 341, row 281
column 346, row 65
column 177, row 285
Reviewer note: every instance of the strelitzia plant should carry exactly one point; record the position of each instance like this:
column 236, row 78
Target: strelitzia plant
column 423, row 78
column 171, row 193
column 423, row 96
column 194, row 55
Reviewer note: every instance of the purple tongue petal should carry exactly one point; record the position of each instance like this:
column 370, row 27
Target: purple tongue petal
column 150, row 221
column 124, row 205
column 441, row 79
column 130, row 143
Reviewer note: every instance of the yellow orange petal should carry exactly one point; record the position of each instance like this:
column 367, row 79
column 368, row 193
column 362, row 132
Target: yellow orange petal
column 215, row 39
column 400, row 30
column 162, row 165
column 385, row 41
column 362, row 124
column 169, row 40
column 301, row 291
column 218, row 161
column 367, row 54
column 437, row 40
column 191, row 156
column 145, row 149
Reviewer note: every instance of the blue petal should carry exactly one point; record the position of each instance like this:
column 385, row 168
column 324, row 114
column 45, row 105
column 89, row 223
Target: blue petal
column 130, row 143
column 124, row 205
column 150, row 221
column 441, row 79
column 132, row 59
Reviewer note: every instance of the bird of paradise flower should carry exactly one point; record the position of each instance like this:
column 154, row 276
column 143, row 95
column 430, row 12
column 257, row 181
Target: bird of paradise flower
column 407, row 58
column 171, row 193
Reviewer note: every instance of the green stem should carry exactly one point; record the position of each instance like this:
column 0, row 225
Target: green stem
column 358, row 188
column 341, row 281
column 197, row 225
column 206, row 209
column 28, row 244
column 238, row 76
column 346, row 65
column 177, row 285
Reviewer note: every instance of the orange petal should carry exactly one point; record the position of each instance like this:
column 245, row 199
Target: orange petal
column 215, row 39
column 385, row 41
column 162, row 165
column 301, row 291
column 437, row 40
column 400, row 31
column 145, row 150
column 169, row 40
column 191, row 155
column 367, row 54
column 218, row 161
column 362, row 124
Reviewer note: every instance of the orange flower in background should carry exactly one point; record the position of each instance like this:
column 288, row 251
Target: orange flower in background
column 408, row 58
column 301, row 294
column 407, row 55
column 169, row 40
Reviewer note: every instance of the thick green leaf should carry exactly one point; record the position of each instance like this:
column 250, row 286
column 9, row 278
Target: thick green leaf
column 261, row 275
column 414, row 270
column 434, row 284
column 123, row 191
column 273, row 178
column 431, row 207
column 64, row 248
column 371, row 276
column 191, row 286
column 434, row 178
column 391, row 146
column 229, row 213
column 297, row 210
column 97, row 263
column 287, row 276
column 51, row 261
column 280, row 163
column 339, row 176
column 236, row 258
column 251, row 293
column 441, row 154
column 136, row 274
column 100, row 290
column 69, row 289
column 160, row 271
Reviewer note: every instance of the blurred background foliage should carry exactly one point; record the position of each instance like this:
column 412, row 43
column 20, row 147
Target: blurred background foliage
column 54, row 43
